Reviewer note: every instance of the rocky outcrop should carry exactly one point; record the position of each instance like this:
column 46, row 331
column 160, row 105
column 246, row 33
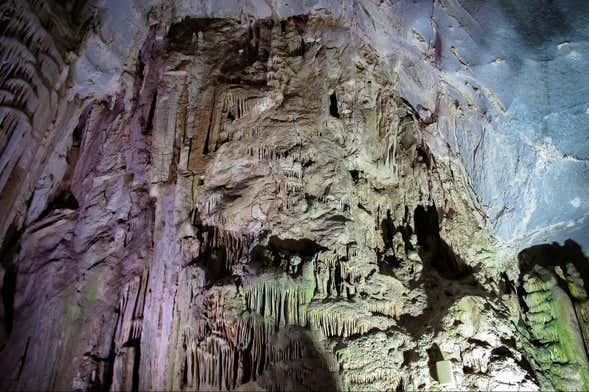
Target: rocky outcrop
column 262, row 204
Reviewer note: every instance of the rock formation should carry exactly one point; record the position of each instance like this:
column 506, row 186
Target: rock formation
column 263, row 196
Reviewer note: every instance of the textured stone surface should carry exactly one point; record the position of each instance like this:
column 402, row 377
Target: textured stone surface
column 291, row 195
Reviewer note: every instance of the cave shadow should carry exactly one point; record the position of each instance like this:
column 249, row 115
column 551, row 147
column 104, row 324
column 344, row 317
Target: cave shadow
column 551, row 256
column 446, row 277
column 301, row 363
column 434, row 355
column 538, row 23
column 309, row 372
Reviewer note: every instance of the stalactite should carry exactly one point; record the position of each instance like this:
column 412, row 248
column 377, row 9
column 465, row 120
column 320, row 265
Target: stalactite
column 236, row 244
column 343, row 319
column 335, row 276
column 237, row 104
column 330, row 201
column 333, row 324
column 30, row 65
column 131, row 304
column 293, row 171
column 217, row 360
column 128, row 333
column 213, row 364
column 389, row 308
column 268, row 152
column 392, row 144
column 363, row 377
column 293, row 187
column 246, row 133
column 211, row 202
column 326, row 264
column 282, row 300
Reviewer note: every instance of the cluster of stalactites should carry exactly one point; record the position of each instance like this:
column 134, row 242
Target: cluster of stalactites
column 335, row 275
column 131, row 304
column 30, row 59
column 333, row 324
column 362, row 377
column 211, row 364
column 282, row 300
column 236, row 244
column 242, row 351
column 237, row 104
column 265, row 152
column 340, row 204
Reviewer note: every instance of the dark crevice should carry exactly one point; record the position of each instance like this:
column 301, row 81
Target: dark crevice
column 214, row 265
column 137, row 359
column 387, row 228
column 553, row 255
column 434, row 355
column 303, row 246
column 219, row 251
column 501, row 352
column 8, row 292
column 151, row 114
column 412, row 110
column 423, row 155
column 442, row 270
column 409, row 356
column 8, row 252
column 280, row 252
column 333, row 111
column 355, row 176
column 185, row 369
column 149, row 68
column 205, row 149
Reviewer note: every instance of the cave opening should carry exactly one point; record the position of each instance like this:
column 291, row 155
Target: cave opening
column 333, row 111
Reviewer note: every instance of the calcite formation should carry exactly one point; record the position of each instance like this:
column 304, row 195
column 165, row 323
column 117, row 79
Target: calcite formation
column 259, row 203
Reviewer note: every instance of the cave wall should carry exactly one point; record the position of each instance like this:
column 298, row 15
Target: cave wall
column 277, row 195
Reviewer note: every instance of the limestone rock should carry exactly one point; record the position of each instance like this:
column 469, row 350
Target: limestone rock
column 276, row 196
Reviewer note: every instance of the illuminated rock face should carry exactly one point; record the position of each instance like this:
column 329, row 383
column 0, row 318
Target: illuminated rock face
column 262, row 195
